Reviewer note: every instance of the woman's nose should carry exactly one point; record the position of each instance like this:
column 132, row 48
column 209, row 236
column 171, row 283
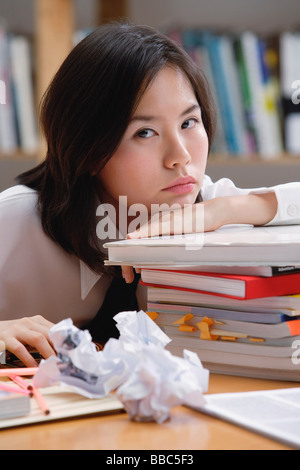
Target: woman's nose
column 176, row 153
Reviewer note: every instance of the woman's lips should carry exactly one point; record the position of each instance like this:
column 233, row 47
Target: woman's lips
column 181, row 186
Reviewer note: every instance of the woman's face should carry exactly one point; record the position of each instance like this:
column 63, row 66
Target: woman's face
column 163, row 153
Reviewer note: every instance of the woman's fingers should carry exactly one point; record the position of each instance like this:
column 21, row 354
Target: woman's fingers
column 28, row 331
column 189, row 219
column 128, row 274
column 20, row 351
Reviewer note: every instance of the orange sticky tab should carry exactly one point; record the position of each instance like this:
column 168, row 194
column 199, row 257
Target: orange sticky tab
column 205, row 333
column 207, row 320
column 214, row 337
column 257, row 340
column 183, row 319
column 152, row 315
column 228, row 338
column 189, row 316
column 187, row 328
column 294, row 327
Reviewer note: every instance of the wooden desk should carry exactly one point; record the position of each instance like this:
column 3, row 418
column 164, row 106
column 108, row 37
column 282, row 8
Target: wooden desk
column 186, row 430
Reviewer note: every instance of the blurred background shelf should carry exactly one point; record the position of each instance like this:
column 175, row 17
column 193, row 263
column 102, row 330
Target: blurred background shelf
column 49, row 26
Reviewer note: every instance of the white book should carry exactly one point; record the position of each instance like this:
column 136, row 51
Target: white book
column 24, row 96
column 8, row 135
column 229, row 245
column 273, row 413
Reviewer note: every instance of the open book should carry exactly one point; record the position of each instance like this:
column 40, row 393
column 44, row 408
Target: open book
column 274, row 413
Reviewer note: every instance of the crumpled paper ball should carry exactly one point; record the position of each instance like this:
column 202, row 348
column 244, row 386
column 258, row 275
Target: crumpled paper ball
column 160, row 381
column 147, row 378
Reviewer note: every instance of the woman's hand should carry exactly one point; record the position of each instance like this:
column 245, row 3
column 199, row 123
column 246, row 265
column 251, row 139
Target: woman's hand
column 28, row 331
column 254, row 209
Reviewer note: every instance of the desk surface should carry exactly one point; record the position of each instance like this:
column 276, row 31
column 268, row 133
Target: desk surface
column 186, row 430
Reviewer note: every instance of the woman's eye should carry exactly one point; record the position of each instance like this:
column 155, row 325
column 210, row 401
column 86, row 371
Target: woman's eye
column 145, row 133
column 190, row 123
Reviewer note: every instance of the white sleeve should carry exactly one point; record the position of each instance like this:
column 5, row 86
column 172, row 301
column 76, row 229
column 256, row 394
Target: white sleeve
column 288, row 197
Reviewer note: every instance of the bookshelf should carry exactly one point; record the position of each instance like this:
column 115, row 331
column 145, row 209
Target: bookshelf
column 54, row 24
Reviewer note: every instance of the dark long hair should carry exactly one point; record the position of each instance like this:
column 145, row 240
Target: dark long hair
column 84, row 114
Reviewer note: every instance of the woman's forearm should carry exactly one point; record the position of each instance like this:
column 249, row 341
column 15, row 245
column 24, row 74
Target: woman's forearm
column 254, row 209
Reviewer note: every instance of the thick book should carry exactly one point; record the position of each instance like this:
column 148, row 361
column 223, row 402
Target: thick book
column 230, row 245
column 235, row 286
column 234, row 328
column 241, row 359
column 20, row 54
column 185, row 297
column 262, row 271
column 261, row 316
column 8, row 136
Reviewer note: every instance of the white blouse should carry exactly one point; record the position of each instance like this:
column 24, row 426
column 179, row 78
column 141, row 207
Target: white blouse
column 37, row 277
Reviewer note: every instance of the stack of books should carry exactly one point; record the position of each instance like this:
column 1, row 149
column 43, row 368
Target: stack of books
column 232, row 296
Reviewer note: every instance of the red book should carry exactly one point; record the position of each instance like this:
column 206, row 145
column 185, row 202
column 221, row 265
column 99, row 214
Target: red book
column 225, row 285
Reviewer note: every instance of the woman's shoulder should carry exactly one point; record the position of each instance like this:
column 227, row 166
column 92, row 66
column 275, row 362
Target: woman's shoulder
column 18, row 200
column 17, row 191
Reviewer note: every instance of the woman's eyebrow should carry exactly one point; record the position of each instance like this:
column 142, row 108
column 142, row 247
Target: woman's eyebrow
column 194, row 107
column 146, row 118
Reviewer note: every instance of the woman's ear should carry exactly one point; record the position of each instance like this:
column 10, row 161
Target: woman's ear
column 96, row 171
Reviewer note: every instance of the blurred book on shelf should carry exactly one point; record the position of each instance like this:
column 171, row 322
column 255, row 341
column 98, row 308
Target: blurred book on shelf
column 254, row 79
column 254, row 82
column 18, row 115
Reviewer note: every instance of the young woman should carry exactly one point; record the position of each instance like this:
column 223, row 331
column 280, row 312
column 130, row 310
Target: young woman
column 127, row 114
